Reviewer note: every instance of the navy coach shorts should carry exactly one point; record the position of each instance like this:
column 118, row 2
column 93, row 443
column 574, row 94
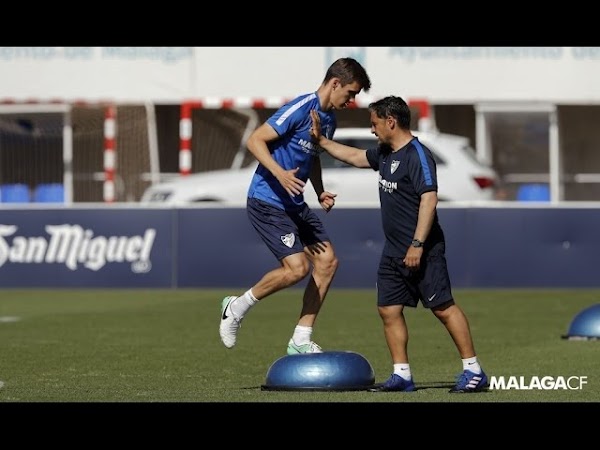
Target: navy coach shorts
column 285, row 232
column 397, row 285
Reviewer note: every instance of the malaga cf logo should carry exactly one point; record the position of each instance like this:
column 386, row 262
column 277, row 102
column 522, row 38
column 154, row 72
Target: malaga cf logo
column 288, row 239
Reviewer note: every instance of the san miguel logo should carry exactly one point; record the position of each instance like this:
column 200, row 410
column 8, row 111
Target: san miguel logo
column 72, row 245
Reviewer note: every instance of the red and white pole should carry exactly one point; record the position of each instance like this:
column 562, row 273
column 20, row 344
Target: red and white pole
column 186, row 126
column 185, row 137
column 426, row 121
column 110, row 129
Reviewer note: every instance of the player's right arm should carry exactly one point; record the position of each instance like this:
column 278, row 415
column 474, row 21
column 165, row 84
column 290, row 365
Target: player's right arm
column 257, row 145
column 350, row 155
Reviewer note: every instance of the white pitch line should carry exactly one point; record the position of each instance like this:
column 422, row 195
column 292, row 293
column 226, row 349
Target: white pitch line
column 7, row 319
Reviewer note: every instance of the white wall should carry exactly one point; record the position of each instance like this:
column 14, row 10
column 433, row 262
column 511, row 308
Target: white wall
column 174, row 74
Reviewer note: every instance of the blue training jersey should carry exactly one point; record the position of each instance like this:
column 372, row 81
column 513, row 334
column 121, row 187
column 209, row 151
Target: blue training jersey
column 293, row 149
column 403, row 177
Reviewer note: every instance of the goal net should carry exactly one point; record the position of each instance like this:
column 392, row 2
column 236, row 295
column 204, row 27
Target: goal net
column 62, row 146
column 93, row 153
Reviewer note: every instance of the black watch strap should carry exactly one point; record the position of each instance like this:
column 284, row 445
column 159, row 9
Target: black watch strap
column 417, row 243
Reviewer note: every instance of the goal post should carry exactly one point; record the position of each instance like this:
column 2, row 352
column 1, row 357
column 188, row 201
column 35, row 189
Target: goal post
column 96, row 152
column 210, row 141
column 109, row 152
column 36, row 147
column 213, row 132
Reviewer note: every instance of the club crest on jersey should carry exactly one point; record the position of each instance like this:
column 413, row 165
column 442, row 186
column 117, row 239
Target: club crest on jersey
column 288, row 239
column 394, row 166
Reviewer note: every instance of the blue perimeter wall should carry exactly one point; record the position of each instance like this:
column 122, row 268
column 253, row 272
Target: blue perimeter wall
column 502, row 247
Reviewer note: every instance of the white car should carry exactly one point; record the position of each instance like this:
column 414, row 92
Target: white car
column 460, row 177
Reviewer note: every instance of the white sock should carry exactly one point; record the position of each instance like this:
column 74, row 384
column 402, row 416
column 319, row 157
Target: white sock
column 302, row 335
column 241, row 305
column 471, row 364
column 403, row 370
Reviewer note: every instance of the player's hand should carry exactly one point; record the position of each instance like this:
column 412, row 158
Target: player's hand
column 293, row 185
column 327, row 200
column 315, row 129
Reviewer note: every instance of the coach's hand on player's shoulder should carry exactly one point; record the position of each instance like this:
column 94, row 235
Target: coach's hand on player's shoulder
column 327, row 200
column 315, row 129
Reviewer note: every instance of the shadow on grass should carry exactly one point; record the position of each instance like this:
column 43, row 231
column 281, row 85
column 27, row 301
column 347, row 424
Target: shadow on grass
column 419, row 386
column 434, row 385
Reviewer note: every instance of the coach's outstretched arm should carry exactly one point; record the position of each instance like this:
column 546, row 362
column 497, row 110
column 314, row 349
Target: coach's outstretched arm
column 351, row 155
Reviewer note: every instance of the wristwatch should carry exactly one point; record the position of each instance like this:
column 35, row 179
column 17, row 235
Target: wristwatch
column 417, row 243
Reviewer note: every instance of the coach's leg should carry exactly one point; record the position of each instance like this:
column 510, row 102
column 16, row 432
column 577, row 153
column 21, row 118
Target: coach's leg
column 473, row 378
column 455, row 321
column 395, row 332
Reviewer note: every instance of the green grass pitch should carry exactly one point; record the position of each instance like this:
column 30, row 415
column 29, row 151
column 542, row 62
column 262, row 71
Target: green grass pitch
column 164, row 346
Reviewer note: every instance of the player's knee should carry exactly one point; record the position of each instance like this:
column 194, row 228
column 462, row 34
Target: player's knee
column 327, row 267
column 332, row 265
column 298, row 271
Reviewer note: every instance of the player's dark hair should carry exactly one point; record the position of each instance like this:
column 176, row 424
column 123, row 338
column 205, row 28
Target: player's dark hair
column 348, row 70
column 392, row 106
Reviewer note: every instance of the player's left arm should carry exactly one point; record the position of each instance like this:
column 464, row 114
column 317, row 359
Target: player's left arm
column 326, row 198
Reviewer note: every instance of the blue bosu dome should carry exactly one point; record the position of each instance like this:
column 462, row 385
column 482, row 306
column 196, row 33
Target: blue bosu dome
column 331, row 370
column 586, row 324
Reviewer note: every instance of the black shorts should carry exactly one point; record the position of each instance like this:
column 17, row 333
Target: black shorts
column 397, row 285
column 285, row 232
